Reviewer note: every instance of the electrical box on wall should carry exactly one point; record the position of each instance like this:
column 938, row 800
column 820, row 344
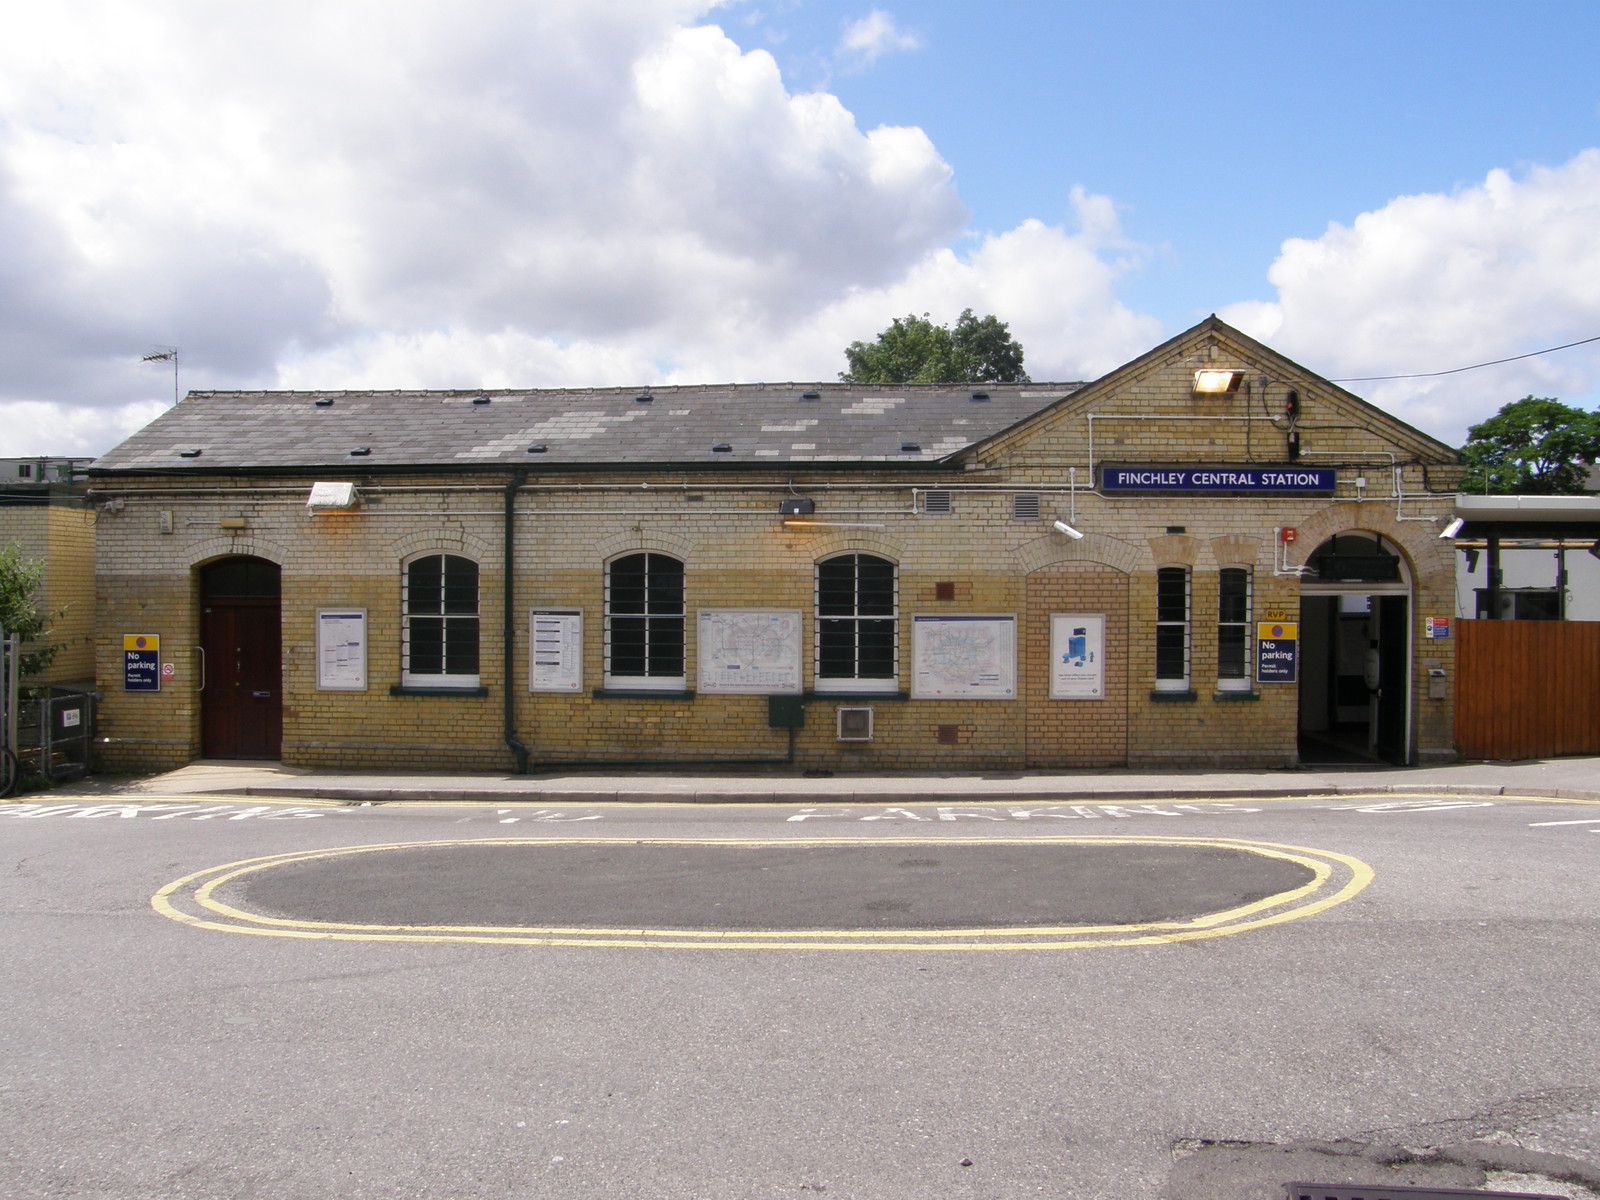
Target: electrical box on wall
column 797, row 506
column 855, row 724
column 1288, row 534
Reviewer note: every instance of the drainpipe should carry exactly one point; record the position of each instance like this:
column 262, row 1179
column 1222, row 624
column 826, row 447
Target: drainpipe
column 508, row 542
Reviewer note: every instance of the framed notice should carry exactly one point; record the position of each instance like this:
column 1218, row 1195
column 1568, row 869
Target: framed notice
column 1077, row 656
column 555, row 650
column 754, row 651
column 141, row 662
column 964, row 657
column 341, row 649
column 1277, row 651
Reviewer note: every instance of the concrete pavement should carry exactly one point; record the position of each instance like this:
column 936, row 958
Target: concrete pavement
column 1564, row 778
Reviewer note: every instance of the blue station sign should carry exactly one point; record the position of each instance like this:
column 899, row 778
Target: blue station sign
column 1279, row 480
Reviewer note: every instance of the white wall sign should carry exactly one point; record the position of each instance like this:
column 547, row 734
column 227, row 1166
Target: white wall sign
column 970, row 657
column 1077, row 656
column 555, row 650
column 341, row 649
column 755, row 651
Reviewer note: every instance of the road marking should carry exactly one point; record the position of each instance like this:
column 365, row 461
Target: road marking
column 1585, row 821
column 195, row 900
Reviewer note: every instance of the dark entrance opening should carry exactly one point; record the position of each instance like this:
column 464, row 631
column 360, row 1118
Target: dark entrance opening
column 1355, row 670
column 241, row 689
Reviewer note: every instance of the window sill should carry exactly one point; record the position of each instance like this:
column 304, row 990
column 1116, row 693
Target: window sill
column 613, row 693
column 888, row 694
column 1235, row 697
column 1173, row 697
column 404, row 689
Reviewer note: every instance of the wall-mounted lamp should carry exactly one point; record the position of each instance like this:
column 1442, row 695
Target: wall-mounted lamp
column 1217, row 383
column 797, row 506
column 1063, row 527
column 331, row 497
column 1453, row 528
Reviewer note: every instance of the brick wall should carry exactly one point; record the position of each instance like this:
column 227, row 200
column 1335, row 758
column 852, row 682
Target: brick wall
column 725, row 527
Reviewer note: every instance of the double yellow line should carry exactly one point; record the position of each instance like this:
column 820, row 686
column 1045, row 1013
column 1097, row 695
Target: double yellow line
column 198, row 900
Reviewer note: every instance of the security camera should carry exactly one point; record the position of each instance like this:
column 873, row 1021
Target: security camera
column 1453, row 528
column 1063, row 527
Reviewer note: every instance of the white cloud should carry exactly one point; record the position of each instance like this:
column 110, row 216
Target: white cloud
column 874, row 35
column 383, row 193
column 1055, row 287
column 1433, row 282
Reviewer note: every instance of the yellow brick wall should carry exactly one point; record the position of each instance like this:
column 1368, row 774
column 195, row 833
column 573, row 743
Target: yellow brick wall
column 725, row 527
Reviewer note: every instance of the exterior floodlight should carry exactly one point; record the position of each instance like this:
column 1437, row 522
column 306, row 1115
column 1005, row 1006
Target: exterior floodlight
column 1063, row 527
column 1217, row 383
column 1453, row 528
column 332, row 497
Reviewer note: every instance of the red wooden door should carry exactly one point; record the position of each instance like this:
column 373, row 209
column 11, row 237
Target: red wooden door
column 241, row 703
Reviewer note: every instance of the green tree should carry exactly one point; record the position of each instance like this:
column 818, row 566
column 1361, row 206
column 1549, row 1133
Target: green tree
column 1536, row 446
column 915, row 350
column 21, row 613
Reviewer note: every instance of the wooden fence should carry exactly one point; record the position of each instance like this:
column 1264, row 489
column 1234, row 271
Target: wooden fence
column 1527, row 689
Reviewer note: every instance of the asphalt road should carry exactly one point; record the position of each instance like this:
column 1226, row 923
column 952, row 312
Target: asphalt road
column 210, row 1000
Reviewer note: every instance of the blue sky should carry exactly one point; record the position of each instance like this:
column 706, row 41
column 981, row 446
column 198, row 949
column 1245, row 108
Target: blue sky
column 1218, row 129
column 411, row 193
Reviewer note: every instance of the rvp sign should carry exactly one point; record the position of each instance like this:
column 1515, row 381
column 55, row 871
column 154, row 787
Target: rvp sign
column 1277, row 652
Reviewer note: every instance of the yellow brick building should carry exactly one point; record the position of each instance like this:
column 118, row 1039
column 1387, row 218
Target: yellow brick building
column 1208, row 557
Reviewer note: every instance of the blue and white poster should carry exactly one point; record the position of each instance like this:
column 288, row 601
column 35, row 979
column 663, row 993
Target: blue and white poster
column 1077, row 656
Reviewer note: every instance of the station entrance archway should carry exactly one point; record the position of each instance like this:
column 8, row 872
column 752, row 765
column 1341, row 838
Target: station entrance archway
column 1355, row 653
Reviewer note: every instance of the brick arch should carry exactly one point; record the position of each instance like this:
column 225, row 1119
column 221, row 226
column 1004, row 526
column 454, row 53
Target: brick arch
column 442, row 541
column 1175, row 550
column 1096, row 549
column 857, row 541
column 634, row 541
column 245, row 546
column 1416, row 541
column 1237, row 550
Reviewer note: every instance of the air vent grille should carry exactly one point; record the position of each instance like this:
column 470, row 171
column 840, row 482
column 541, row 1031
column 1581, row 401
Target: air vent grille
column 1025, row 506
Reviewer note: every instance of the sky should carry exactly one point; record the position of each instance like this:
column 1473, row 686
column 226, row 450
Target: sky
column 564, row 193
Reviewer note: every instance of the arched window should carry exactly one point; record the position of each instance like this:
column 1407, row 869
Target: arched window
column 857, row 640
column 644, row 623
column 439, row 636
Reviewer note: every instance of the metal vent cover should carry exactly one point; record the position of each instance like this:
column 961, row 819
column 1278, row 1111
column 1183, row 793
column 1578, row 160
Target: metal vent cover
column 1358, row 1191
column 936, row 502
column 1025, row 506
column 855, row 724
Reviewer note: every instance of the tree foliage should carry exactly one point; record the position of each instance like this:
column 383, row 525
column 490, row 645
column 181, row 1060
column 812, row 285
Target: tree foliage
column 1536, row 446
column 915, row 350
column 22, row 614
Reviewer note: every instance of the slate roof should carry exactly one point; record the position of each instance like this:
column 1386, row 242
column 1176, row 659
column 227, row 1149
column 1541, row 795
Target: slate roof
column 759, row 424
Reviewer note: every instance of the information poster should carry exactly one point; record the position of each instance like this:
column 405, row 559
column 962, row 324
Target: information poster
column 966, row 657
column 1077, row 656
column 341, row 649
column 555, row 650
column 141, row 662
column 754, row 651
column 1277, row 652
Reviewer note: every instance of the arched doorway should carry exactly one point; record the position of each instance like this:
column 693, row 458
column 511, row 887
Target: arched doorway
column 241, row 684
column 1355, row 653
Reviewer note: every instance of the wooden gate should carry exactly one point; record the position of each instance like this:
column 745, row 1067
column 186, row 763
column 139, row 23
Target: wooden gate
column 1527, row 689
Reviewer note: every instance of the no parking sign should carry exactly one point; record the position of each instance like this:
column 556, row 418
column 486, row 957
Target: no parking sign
column 1277, row 651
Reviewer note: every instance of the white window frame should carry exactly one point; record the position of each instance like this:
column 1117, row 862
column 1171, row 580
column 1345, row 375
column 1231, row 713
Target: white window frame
column 1175, row 683
column 647, row 682
column 856, row 683
column 440, row 679
column 1242, row 681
